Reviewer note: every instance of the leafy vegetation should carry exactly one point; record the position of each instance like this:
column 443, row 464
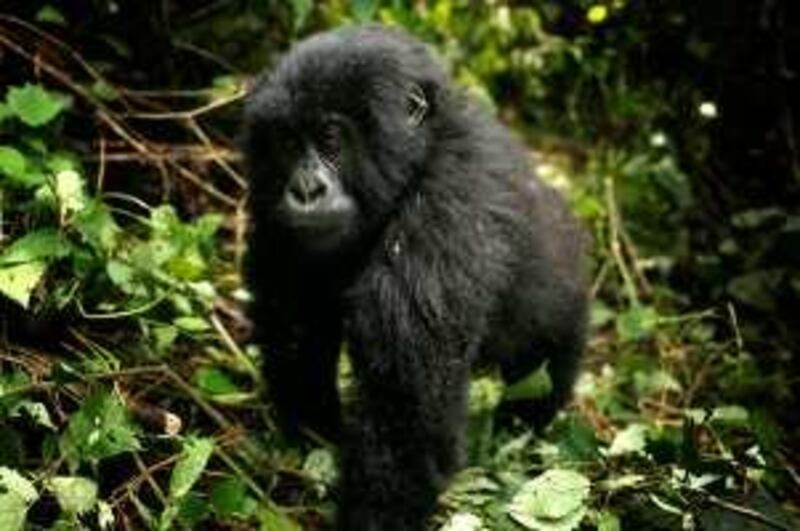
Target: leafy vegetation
column 129, row 394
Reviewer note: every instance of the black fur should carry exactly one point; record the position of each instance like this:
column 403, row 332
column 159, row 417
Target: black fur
column 459, row 257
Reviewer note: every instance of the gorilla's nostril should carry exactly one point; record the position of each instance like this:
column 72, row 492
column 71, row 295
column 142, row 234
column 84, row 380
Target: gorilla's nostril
column 307, row 189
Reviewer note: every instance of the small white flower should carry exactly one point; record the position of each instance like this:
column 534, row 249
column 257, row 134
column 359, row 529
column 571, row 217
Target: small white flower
column 708, row 109
column 658, row 139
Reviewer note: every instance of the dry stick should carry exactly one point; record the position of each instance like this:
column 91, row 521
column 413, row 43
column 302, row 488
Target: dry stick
column 99, row 78
column 94, row 74
column 101, row 169
column 747, row 512
column 143, row 471
column 193, row 126
column 171, row 152
column 186, row 174
column 191, row 113
column 616, row 248
column 108, row 117
column 633, row 255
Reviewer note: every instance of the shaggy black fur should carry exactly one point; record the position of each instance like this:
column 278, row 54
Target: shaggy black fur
column 450, row 254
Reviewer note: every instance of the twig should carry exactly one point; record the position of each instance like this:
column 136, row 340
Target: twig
column 614, row 243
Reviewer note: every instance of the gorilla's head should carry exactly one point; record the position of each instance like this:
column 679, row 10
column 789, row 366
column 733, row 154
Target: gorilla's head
column 339, row 132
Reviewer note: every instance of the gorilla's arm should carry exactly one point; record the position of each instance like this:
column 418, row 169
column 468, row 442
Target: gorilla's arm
column 300, row 342
column 414, row 329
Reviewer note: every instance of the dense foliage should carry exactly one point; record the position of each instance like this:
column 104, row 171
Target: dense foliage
column 129, row 394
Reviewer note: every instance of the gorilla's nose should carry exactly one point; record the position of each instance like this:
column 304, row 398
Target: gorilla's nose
column 306, row 188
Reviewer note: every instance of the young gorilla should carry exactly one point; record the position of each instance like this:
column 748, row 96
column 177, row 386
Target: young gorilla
column 392, row 213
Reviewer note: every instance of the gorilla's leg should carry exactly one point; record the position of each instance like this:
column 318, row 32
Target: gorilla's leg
column 404, row 437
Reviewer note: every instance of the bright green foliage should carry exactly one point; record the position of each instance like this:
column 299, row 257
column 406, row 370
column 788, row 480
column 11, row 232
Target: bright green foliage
column 103, row 280
column 17, row 494
column 190, row 465
column 555, row 500
column 229, row 498
column 76, row 495
column 100, row 428
column 18, row 281
column 34, row 105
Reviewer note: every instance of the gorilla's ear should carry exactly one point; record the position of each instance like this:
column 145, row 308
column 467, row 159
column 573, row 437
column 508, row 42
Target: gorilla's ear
column 419, row 104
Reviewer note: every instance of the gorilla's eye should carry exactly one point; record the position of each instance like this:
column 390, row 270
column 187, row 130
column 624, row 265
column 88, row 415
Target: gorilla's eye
column 417, row 106
column 330, row 141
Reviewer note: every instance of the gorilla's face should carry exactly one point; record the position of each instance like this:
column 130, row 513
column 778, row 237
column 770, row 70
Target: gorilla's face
column 304, row 173
column 333, row 142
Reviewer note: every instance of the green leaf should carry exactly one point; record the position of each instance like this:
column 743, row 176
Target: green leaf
column 273, row 520
column 214, row 382
column 363, row 10
column 17, row 494
column 36, row 411
column 192, row 324
column 34, row 105
column 192, row 510
column 50, row 14
column 100, row 428
column 17, row 282
column 535, row 385
column 41, row 245
column 633, row 439
column 12, row 162
column 121, row 274
column 76, row 495
column 463, row 522
column 96, row 226
column 639, row 322
column 228, row 497
column 556, row 500
column 301, row 10
column 190, row 465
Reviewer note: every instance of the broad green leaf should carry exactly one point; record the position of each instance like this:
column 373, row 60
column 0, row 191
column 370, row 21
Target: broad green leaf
column 120, row 274
column 50, row 14
column 12, row 162
column 537, row 384
column 273, row 520
column 17, row 494
column 632, row 439
column 34, row 105
column 75, row 494
column 100, row 428
column 41, row 245
column 191, row 463
column 463, row 522
column 229, row 497
column 36, row 411
column 5, row 112
column 363, row 10
column 214, row 382
column 192, row 324
column 17, row 282
column 96, row 226
column 192, row 509
column 301, row 10
column 555, row 500
column 637, row 323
